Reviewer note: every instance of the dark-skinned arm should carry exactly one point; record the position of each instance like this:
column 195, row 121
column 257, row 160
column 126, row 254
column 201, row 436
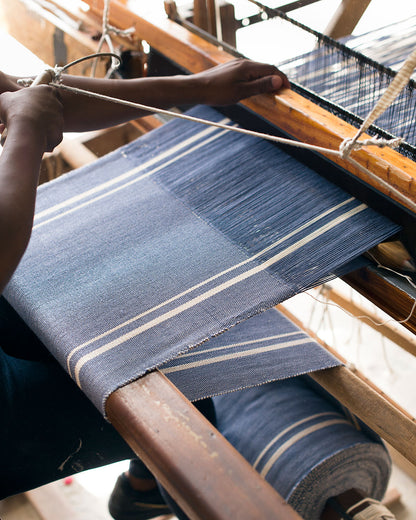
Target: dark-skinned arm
column 222, row 85
column 34, row 121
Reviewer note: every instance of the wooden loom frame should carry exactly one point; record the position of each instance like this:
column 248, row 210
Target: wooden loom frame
column 177, row 444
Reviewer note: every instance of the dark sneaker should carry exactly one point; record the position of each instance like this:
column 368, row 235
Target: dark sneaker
column 126, row 503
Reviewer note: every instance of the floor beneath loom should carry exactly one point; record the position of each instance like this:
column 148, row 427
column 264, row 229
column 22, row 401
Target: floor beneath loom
column 88, row 492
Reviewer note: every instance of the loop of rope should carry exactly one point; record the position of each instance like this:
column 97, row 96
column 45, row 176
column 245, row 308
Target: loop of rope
column 107, row 29
column 393, row 90
column 350, row 144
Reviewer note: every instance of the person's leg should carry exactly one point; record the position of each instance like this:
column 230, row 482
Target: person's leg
column 49, row 429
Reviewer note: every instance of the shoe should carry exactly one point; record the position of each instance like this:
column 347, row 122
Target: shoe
column 126, row 503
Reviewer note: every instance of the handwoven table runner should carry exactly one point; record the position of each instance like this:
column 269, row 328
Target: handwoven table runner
column 174, row 239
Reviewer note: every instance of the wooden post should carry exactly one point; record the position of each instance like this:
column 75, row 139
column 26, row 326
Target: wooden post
column 346, row 18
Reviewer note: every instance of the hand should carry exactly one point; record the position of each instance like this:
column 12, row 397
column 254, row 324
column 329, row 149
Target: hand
column 238, row 79
column 36, row 111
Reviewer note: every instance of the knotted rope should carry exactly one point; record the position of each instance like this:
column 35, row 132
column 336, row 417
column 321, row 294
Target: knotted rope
column 107, row 29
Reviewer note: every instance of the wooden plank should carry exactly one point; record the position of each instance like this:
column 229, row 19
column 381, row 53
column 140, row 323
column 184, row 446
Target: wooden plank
column 388, row 297
column 50, row 503
column 206, row 476
column 200, row 17
column 345, row 19
column 53, row 40
column 362, row 313
column 365, row 400
column 289, row 111
column 75, row 153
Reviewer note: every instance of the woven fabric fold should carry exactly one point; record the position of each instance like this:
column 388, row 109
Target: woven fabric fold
column 303, row 443
column 172, row 240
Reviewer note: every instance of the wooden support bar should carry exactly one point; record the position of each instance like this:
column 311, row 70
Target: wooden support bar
column 365, row 400
column 289, row 111
column 405, row 341
column 388, row 420
column 200, row 17
column 346, row 18
column 212, row 17
column 75, row 153
column 206, row 476
column 390, row 298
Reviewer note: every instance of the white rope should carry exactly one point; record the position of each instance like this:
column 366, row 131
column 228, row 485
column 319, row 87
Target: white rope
column 396, row 86
column 162, row 111
column 107, row 29
column 374, row 511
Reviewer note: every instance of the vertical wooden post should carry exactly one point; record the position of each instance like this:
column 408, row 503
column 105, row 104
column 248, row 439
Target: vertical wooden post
column 346, row 18
column 201, row 14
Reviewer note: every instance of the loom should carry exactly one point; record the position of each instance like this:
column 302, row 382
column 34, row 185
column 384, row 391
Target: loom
column 294, row 115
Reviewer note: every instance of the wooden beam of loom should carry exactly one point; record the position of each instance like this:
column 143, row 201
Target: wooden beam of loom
column 207, row 477
column 365, row 400
column 344, row 21
column 362, row 313
column 296, row 116
column 391, row 299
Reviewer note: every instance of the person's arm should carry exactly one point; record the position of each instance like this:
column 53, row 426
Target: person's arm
column 34, row 122
column 221, row 85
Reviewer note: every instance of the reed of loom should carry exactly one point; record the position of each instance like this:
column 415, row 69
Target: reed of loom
column 148, row 434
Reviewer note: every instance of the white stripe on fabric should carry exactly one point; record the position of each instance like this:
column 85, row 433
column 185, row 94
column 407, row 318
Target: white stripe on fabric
column 288, row 444
column 216, row 290
column 285, row 431
column 239, row 355
column 122, row 186
column 208, row 280
column 242, row 343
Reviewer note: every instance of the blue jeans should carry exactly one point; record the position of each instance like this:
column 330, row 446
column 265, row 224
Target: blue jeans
column 49, row 429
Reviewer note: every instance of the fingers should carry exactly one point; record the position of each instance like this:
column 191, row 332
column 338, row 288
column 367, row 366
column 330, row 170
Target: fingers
column 267, row 85
column 262, row 78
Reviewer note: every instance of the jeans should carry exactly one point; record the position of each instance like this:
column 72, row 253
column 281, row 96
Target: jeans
column 49, row 429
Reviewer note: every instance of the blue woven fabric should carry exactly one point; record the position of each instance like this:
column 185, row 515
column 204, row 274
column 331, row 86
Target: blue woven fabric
column 267, row 347
column 304, row 445
column 172, row 240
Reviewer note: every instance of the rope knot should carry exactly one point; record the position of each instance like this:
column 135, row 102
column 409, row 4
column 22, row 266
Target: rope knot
column 350, row 144
column 346, row 147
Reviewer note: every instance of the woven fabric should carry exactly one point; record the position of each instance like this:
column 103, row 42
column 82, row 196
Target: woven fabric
column 170, row 241
column 306, row 446
column 267, row 347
